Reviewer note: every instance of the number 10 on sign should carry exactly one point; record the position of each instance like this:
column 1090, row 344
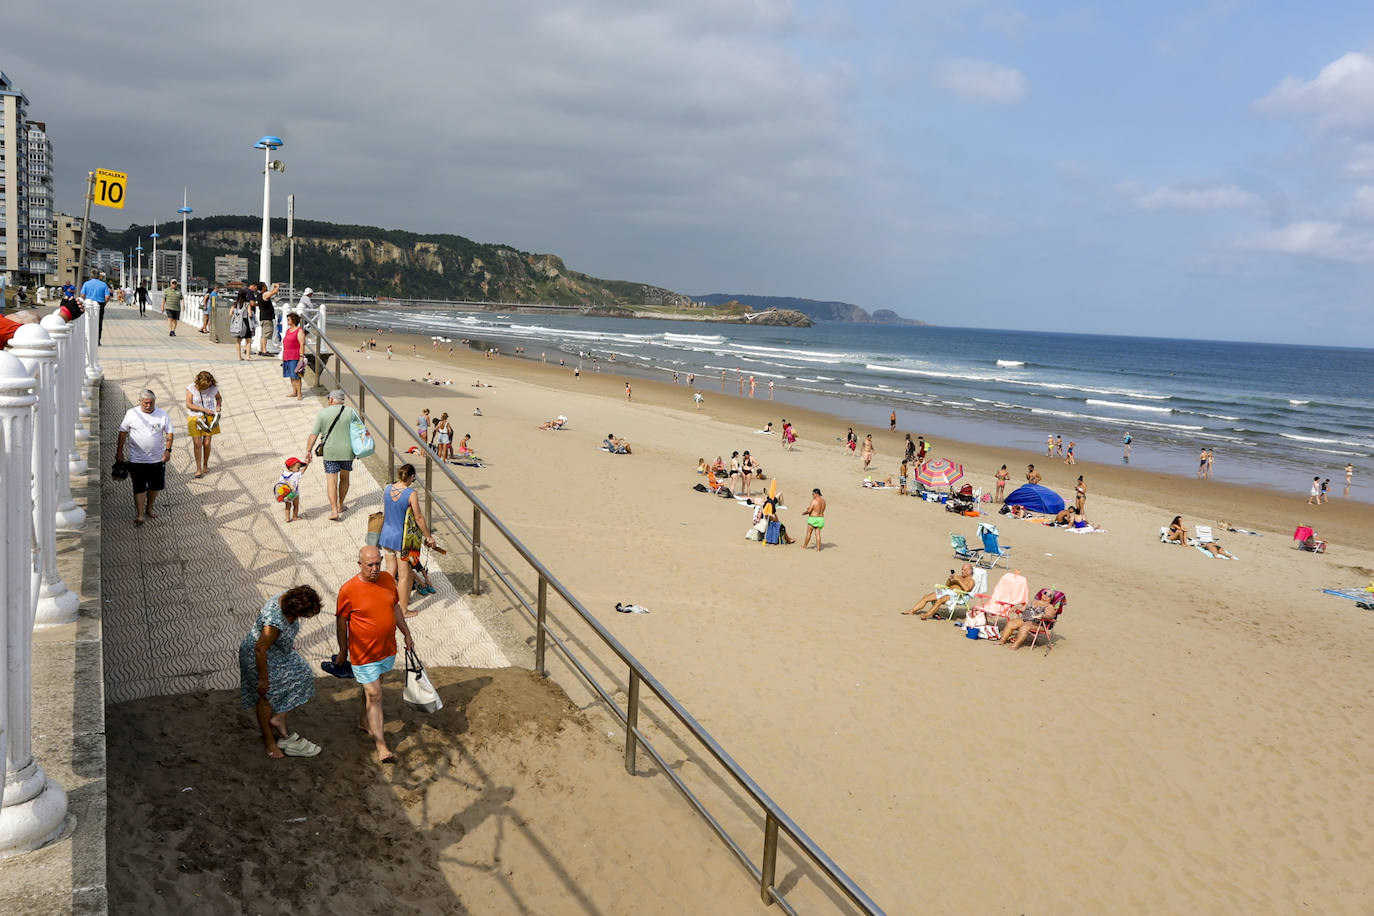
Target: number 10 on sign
column 109, row 188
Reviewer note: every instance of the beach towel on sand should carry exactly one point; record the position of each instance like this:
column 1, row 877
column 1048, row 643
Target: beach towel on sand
column 1362, row 597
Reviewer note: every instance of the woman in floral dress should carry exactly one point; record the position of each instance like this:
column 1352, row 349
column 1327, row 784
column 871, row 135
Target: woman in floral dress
column 272, row 676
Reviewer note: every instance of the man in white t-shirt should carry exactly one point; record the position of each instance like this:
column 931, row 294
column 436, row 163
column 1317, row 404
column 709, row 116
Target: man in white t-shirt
column 145, row 445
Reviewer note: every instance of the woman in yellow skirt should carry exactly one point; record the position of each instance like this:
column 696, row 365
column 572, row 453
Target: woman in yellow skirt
column 203, row 404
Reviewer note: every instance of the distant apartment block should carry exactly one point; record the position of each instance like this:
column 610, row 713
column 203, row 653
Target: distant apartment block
column 231, row 267
column 169, row 266
column 66, row 247
column 108, row 260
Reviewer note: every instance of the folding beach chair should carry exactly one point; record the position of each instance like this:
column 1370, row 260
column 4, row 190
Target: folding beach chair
column 962, row 601
column 992, row 551
column 1007, row 598
column 962, row 551
column 1057, row 600
column 1304, row 538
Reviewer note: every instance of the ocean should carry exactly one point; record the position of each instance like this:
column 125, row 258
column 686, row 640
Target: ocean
column 1275, row 415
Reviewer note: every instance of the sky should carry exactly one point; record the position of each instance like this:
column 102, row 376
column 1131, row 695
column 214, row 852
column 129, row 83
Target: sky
column 1179, row 170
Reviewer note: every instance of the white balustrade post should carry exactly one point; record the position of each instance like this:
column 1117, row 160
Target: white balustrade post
column 33, row 808
column 79, row 435
column 57, row 604
column 69, row 516
column 323, row 327
column 78, row 336
column 94, row 371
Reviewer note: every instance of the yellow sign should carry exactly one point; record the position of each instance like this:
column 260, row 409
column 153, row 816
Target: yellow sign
column 109, row 188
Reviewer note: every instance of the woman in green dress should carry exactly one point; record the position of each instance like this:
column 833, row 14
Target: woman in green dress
column 273, row 678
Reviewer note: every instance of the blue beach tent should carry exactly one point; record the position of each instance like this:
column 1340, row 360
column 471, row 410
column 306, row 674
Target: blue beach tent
column 1036, row 498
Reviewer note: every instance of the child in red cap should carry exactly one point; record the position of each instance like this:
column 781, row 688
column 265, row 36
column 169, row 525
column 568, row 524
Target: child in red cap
column 288, row 488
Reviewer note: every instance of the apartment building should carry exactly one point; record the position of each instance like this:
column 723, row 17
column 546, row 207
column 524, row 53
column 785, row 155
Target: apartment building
column 66, row 247
column 27, row 238
column 169, row 265
column 38, row 191
column 230, row 267
column 14, row 249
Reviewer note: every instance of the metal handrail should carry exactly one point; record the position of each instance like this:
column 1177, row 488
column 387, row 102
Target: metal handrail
column 775, row 819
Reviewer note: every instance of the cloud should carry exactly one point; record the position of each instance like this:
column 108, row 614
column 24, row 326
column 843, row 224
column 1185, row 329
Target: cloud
column 982, row 81
column 1196, row 199
column 1341, row 97
column 1362, row 208
column 1324, row 240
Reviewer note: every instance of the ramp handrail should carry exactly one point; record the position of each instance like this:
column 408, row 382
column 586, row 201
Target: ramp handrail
column 775, row 819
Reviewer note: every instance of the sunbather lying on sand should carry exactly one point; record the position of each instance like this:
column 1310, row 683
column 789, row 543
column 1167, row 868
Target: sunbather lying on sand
column 871, row 484
column 556, row 423
column 1215, row 549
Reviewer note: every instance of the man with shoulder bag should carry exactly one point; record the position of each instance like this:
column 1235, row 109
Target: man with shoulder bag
column 335, row 446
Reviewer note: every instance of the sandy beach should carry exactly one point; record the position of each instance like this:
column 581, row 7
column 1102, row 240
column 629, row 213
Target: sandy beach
column 1193, row 742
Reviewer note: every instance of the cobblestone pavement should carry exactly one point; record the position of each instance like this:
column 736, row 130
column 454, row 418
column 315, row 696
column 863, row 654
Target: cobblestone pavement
column 181, row 592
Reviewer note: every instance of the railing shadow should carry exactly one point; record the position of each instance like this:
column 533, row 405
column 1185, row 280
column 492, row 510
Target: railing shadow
column 582, row 643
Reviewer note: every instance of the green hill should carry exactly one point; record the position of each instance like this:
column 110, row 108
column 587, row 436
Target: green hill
column 371, row 261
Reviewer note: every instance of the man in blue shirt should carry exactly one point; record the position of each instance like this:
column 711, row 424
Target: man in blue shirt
column 95, row 291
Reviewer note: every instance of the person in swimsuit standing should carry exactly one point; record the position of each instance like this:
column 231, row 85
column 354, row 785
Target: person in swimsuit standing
column 1002, row 477
column 1080, row 495
column 815, row 519
column 868, row 450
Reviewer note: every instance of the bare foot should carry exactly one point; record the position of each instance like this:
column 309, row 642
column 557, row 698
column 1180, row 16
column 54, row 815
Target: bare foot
column 412, row 614
column 152, row 514
column 386, row 757
column 908, row 613
column 274, row 751
column 138, row 519
column 335, row 518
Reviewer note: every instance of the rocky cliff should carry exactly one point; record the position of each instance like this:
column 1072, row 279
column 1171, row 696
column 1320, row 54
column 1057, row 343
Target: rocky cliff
column 370, row 261
column 812, row 308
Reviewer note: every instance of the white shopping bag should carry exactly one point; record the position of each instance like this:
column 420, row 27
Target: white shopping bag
column 419, row 692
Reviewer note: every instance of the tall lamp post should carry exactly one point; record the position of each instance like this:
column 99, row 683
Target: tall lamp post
column 154, row 237
column 139, row 249
column 269, row 165
column 185, row 211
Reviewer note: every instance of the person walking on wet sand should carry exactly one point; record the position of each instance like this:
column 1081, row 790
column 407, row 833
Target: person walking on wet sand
column 628, row 396
column 1314, row 496
column 892, row 421
column 815, row 519
column 367, row 617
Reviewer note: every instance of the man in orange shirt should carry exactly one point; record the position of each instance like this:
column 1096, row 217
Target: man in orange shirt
column 367, row 617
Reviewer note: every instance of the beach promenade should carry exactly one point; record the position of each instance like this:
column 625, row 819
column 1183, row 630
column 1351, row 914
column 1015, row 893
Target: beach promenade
column 510, row 799
column 178, row 589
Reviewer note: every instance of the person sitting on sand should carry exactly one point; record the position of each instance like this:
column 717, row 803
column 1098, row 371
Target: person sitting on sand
column 954, row 586
column 556, row 423
column 718, row 465
column 1177, row 533
column 702, row 466
column 1043, row 609
column 616, row 446
column 465, row 446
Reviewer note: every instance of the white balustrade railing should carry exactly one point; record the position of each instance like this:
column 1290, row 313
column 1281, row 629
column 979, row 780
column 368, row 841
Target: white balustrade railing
column 35, row 408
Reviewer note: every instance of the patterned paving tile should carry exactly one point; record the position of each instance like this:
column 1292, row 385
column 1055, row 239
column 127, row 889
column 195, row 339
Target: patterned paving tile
column 181, row 591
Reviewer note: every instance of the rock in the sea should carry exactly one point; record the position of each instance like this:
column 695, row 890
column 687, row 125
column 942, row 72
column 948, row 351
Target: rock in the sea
column 784, row 317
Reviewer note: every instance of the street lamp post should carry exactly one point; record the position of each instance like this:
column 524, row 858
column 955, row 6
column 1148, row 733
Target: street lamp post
column 185, row 211
column 154, row 237
column 269, row 165
column 139, row 249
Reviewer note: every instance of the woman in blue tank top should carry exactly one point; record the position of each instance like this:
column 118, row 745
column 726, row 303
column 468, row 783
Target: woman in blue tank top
column 396, row 499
